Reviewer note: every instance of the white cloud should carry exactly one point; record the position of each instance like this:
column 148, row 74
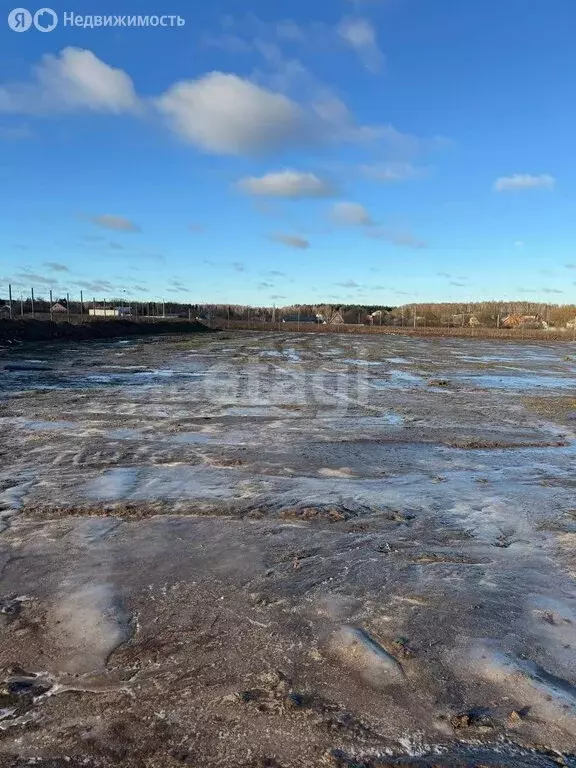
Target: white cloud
column 217, row 112
column 117, row 223
column 351, row 214
column 521, row 181
column 360, row 35
column 288, row 184
column 292, row 241
column 393, row 171
column 75, row 79
column 519, row 244
column 225, row 114
column 55, row 266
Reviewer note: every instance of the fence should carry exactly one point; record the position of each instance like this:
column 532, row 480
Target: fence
column 81, row 310
column 526, row 334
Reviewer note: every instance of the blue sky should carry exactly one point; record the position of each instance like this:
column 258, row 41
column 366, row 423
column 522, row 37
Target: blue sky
column 383, row 151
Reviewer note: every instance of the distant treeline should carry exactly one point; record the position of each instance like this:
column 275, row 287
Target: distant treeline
column 488, row 314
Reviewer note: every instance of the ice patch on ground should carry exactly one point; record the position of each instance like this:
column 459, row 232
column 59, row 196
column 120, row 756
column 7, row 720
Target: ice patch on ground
column 356, row 650
column 115, row 484
column 86, row 626
column 552, row 697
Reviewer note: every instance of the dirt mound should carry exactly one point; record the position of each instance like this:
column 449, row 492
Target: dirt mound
column 41, row 330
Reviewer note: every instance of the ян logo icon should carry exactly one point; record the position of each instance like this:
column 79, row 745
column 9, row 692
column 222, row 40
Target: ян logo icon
column 45, row 20
column 21, row 19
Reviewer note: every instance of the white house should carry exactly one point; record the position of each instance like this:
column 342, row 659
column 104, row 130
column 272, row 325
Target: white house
column 109, row 311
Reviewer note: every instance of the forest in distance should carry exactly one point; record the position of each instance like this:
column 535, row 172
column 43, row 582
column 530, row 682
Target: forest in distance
column 486, row 314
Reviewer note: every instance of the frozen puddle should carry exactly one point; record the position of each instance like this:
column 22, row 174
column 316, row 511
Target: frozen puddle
column 511, row 382
column 42, row 426
column 85, row 626
column 397, row 379
column 365, row 422
column 171, row 483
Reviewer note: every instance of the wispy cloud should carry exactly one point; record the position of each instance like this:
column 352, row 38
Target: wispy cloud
column 177, row 285
column 238, row 266
column 360, row 35
column 349, row 284
column 32, row 278
column 292, row 241
column 56, row 266
column 351, row 214
column 289, row 184
column 116, row 223
column 96, row 286
column 523, row 181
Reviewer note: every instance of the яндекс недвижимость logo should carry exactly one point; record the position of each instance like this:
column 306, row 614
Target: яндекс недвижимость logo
column 46, row 19
column 21, row 20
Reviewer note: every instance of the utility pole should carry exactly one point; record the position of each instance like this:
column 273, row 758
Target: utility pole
column 68, row 306
column 10, row 301
column 21, row 305
column 51, row 305
column 82, row 304
column 32, row 294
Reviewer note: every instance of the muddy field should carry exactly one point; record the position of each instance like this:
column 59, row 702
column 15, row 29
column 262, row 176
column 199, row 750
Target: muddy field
column 288, row 550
